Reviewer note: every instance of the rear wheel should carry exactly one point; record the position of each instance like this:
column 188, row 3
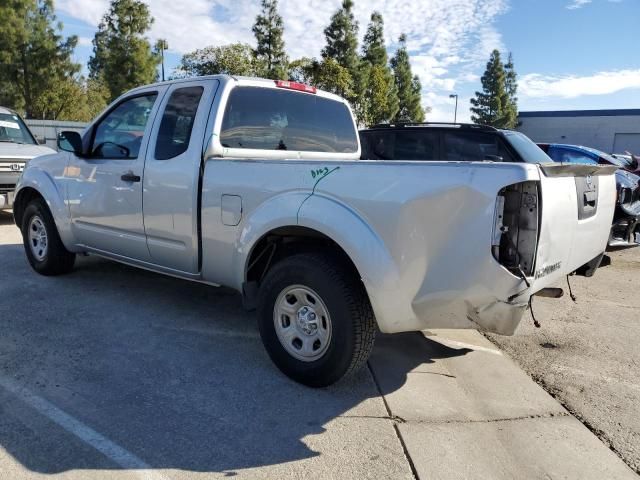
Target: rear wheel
column 45, row 251
column 315, row 319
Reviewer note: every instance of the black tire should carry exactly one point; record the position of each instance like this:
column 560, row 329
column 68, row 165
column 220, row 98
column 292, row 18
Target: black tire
column 56, row 259
column 352, row 321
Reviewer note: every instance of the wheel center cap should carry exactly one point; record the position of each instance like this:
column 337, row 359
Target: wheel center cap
column 307, row 320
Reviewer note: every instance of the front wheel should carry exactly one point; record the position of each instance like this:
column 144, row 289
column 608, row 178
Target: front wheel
column 42, row 243
column 315, row 319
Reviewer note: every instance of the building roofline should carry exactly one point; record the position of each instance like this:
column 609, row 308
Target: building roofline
column 628, row 112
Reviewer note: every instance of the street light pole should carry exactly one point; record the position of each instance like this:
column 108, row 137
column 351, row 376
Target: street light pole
column 455, row 112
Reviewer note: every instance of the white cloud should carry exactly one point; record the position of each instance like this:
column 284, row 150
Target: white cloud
column 576, row 4
column 84, row 41
column 602, row 83
column 88, row 11
column 444, row 28
column 449, row 40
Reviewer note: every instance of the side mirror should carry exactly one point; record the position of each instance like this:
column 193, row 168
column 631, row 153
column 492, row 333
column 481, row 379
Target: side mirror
column 70, row 141
column 41, row 141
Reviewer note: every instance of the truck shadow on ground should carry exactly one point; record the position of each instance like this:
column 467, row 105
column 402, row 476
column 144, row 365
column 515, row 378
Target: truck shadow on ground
column 171, row 371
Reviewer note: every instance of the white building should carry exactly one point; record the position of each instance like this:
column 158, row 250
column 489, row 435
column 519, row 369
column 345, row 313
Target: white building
column 612, row 131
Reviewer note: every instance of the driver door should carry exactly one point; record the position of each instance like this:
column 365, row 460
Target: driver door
column 104, row 190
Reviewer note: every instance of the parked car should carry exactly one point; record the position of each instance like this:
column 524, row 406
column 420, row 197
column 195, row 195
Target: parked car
column 626, row 221
column 17, row 147
column 257, row 185
column 457, row 142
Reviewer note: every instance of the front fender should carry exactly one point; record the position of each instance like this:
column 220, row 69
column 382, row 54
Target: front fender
column 51, row 191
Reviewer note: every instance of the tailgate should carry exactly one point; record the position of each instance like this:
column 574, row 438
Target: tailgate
column 576, row 205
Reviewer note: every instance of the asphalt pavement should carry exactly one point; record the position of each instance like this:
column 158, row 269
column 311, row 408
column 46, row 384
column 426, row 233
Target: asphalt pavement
column 113, row 372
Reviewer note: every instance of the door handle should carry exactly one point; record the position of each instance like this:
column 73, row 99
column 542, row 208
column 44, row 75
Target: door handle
column 130, row 177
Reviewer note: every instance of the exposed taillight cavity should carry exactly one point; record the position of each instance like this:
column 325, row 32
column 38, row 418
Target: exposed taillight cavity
column 301, row 87
column 516, row 227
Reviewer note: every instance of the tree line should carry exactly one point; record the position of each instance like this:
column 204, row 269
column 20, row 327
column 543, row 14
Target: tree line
column 39, row 77
column 379, row 89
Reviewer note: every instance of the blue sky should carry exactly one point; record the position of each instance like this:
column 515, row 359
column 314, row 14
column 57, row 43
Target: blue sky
column 569, row 54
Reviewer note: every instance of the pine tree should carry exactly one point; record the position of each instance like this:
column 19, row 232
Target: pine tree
column 408, row 86
column 493, row 106
column 35, row 60
column 342, row 38
column 342, row 48
column 380, row 100
column 269, row 31
column 511, row 87
column 122, row 56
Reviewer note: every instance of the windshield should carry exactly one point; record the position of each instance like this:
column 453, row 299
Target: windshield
column 13, row 129
column 529, row 151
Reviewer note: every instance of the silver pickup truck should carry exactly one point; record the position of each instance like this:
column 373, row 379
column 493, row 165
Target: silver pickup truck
column 257, row 185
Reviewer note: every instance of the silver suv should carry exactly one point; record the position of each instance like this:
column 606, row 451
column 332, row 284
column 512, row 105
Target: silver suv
column 17, row 147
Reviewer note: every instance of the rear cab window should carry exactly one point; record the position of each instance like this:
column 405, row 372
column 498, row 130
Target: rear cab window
column 272, row 119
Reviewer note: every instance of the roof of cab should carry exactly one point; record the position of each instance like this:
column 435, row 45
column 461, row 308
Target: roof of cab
column 240, row 80
column 6, row 110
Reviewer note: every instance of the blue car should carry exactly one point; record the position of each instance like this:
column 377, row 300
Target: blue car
column 625, row 231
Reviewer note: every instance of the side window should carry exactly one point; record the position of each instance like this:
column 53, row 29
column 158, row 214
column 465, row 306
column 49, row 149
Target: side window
column 177, row 122
column 399, row 145
column 571, row 156
column 474, row 147
column 377, row 145
column 119, row 134
column 416, row 145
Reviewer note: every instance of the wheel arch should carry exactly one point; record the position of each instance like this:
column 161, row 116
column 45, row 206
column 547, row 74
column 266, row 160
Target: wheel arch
column 326, row 222
column 35, row 183
column 288, row 240
column 25, row 196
